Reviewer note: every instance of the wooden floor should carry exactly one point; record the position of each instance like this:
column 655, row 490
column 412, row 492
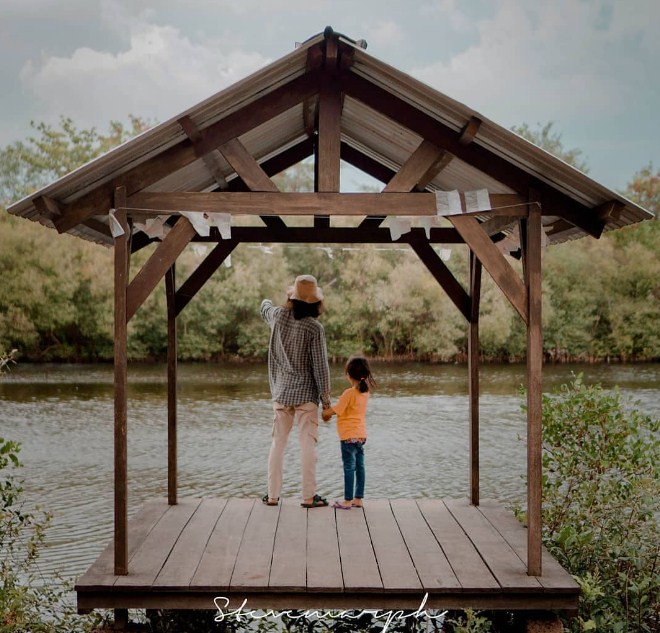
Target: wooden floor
column 390, row 554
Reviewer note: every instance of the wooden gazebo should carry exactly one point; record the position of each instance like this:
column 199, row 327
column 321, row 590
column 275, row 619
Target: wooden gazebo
column 464, row 180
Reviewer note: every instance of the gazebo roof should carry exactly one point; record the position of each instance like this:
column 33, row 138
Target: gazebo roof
column 385, row 115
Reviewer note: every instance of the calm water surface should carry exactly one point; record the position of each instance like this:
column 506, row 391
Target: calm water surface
column 417, row 421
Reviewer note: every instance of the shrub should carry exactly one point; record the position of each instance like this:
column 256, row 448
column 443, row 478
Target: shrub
column 601, row 504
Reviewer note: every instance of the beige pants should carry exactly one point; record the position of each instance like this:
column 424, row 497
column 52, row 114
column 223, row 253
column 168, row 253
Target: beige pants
column 308, row 428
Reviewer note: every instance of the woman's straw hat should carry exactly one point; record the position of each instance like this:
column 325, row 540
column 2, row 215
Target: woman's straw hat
column 306, row 289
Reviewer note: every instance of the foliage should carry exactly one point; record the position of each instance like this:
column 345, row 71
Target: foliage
column 601, row 504
column 55, row 151
column 601, row 297
column 549, row 140
column 27, row 603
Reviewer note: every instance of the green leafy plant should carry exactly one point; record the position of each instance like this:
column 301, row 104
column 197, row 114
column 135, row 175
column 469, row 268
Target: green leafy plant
column 601, row 504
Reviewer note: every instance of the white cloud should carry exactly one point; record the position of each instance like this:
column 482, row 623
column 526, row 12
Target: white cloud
column 553, row 62
column 384, row 34
column 160, row 74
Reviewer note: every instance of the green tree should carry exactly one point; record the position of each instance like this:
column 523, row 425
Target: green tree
column 548, row 139
column 55, row 151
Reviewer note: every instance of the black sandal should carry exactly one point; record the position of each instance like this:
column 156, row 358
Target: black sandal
column 270, row 502
column 317, row 502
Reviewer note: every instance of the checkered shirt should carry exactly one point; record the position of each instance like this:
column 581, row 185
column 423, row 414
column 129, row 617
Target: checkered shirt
column 297, row 358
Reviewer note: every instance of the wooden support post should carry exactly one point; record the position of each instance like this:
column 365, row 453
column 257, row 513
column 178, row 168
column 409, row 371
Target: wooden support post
column 473, row 372
column 532, row 256
column 170, row 293
column 121, row 264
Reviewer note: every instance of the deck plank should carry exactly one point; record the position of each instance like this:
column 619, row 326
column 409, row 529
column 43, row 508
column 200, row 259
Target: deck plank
column 152, row 554
column 554, row 577
column 430, row 561
column 181, row 564
column 465, row 561
column 289, row 566
column 323, row 561
column 217, row 563
column 358, row 560
column 255, row 553
column 503, row 562
column 397, row 570
column 102, row 572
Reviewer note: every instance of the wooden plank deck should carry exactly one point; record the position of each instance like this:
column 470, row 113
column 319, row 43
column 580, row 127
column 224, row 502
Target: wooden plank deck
column 388, row 555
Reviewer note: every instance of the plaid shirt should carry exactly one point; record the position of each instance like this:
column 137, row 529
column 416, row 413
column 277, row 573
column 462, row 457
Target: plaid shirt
column 297, row 358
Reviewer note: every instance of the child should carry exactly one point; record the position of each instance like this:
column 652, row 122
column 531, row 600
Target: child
column 351, row 410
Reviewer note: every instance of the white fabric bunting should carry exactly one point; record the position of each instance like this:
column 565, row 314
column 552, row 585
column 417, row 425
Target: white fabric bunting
column 477, row 200
column 116, row 229
column 398, row 226
column 223, row 222
column 199, row 222
column 448, row 202
column 428, row 222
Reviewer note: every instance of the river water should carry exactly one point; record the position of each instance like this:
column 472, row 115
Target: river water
column 417, row 421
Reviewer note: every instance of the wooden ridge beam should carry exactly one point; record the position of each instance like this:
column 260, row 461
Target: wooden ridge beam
column 443, row 275
column 554, row 202
column 157, row 265
column 494, row 262
column 100, row 200
column 303, row 203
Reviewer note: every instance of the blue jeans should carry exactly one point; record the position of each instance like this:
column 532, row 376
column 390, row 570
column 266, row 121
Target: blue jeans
column 352, row 454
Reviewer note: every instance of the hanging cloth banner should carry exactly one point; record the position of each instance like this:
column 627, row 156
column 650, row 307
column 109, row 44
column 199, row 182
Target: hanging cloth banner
column 116, row 229
column 398, row 226
column 449, row 202
column 428, row 222
column 477, row 200
column 199, row 222
column 223, row 222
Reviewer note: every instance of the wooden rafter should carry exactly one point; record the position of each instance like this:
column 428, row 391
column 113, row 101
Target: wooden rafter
column 157, row 265
column 99, row 200
column 493, row 261
column 429, row 128
column 305, row 203
column 211, row 159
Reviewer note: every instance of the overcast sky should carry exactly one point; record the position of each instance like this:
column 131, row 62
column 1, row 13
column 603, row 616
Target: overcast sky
column 591, row 66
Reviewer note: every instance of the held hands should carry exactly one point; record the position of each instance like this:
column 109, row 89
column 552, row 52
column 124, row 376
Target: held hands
column 326, row 414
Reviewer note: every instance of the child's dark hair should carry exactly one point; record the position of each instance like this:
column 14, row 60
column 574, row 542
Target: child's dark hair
column 302, row 309
column 358, row 369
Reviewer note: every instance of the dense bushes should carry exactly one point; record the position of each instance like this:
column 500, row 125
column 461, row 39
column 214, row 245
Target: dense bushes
column 601, row 506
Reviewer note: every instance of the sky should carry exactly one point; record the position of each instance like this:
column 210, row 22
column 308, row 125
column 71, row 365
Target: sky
column 590, row 66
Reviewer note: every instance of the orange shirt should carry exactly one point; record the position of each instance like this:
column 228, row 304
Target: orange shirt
column 351, row 410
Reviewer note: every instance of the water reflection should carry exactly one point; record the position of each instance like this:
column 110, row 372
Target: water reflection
column 417, row 446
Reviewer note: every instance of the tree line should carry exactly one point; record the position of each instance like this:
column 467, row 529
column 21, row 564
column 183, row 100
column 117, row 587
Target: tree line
column 601, row 298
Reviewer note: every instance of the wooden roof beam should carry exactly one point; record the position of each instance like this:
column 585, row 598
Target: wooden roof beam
column 470, row 131
column 493, row 261
column 211, row 159
column 306, row 203
column 202, row 274
column 394, row 107
column 100, row 200
column 417, row 168
column 443, row 275
column 157, row 265
column 245, row 165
